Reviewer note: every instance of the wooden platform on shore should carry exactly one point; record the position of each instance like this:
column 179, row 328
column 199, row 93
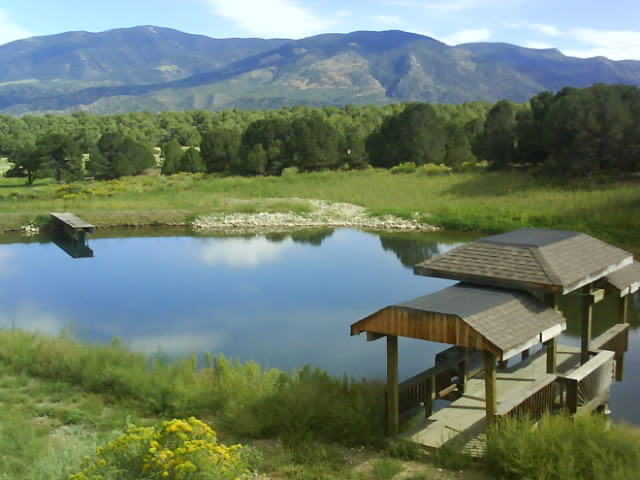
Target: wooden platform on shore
column 466, row 415
column 72, row 221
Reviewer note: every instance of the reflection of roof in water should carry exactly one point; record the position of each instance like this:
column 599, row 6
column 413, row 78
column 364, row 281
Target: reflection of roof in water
column 550, row 260
column 503, row 321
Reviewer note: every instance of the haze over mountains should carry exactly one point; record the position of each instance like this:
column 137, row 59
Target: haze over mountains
column 153, row 68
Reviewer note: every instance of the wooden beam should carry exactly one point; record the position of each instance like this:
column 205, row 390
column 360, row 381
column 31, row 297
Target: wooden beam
column 393, row 419
column 552, row 355
column 463, row 367
column 373, row 336
column 490, row 387
column 430, row 401
column 587, row 319
column 551, row 344
column 623, row 310
column 598, row 295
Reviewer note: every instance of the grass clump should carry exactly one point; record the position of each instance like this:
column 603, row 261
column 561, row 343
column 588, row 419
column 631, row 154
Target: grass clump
column 452, row 455
column 432, row 169
column 386, row 468
column 561, row 448
column 406, row 167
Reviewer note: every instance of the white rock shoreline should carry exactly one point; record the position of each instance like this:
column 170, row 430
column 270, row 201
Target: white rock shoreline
column 323, row 215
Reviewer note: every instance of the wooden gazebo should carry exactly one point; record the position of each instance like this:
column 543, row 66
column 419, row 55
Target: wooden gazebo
column 505, row 305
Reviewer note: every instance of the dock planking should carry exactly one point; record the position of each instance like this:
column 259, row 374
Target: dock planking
column 466, row 415
column 72, row 221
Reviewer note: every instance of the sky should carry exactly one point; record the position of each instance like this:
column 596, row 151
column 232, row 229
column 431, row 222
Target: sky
column 581, row 28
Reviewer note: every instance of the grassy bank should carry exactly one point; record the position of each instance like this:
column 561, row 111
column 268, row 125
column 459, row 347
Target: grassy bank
column 486, row 202
column 61, row 400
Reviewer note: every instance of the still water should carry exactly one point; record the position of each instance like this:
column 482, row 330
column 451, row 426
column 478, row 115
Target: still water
column 283, row 300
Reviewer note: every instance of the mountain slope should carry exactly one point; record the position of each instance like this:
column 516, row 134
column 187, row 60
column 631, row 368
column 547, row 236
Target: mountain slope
column 153, row 68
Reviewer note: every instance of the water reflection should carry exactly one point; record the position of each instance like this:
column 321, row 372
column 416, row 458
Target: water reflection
column 283, row 300
column 412, row 248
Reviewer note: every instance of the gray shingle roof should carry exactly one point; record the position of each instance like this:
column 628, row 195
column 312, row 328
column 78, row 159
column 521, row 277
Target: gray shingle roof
column 550, row 260
column 626, row 280
column 507, row 319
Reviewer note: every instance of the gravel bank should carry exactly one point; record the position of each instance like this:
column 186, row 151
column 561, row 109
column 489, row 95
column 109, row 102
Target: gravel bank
column 324, row 214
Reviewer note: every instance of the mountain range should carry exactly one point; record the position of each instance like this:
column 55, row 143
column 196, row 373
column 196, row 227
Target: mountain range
column 153, row 68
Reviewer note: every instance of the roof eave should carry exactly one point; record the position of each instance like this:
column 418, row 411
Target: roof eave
column 486, row 281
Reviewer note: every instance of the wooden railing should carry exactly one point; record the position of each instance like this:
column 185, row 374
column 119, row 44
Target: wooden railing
column 616, row 339
column 588, row 385
column 532, row 403
column 422, row 389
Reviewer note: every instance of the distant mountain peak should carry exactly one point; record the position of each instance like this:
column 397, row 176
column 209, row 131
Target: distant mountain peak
column 149, row 67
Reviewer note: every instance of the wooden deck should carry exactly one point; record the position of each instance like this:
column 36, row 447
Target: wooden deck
column 72, row 221
column 467, row 413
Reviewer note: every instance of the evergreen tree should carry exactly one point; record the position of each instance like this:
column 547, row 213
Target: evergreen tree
column 191, row 161
column 172, row 153
column 62, row 154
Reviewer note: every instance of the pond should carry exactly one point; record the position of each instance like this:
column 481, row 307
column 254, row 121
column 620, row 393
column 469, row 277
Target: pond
column 283, row 300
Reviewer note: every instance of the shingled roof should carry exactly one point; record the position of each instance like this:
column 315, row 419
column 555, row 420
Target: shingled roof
column 505, row 322
column 626, row 280
column 548, row 260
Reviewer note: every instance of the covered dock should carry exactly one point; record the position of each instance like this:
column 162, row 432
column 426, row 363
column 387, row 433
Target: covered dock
column 505, row 305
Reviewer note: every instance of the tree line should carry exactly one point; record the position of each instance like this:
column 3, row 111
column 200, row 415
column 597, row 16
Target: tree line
column 574, row 132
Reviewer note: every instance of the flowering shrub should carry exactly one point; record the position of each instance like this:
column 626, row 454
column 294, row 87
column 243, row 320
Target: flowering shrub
column 175, row 450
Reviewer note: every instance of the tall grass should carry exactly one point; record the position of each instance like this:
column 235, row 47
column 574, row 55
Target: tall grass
column 243, row 398
column 563, row 448
column 487, row 202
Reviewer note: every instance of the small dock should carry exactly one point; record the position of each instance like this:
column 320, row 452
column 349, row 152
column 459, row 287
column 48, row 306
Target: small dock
column 466, row 415
column 71, row 222
column 70, row 234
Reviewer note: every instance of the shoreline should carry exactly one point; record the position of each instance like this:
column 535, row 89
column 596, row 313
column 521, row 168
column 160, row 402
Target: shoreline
column 322, row 214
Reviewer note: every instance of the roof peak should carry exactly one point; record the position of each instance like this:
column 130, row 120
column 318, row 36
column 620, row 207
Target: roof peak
column 530, row 237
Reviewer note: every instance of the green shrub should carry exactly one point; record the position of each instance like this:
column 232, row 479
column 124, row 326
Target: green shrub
column 290, row 171
column 561, row 448
column 432, row 169
column 406, row 167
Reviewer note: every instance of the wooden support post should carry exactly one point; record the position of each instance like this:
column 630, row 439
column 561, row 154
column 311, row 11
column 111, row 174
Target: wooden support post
column 490, row 393
column 572, row 397
column 431, row 395
column 552, row 354
column 525, row 354
column 623, row 309
column 392, row 385
column 587, row 318
column 464, row 370
column 551, row 344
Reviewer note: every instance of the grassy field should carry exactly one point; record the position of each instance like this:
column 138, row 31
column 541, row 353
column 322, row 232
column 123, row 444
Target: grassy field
column 484, row 202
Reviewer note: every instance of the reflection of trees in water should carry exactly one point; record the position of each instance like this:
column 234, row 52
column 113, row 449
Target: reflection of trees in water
column 310, row 237
column 410, row 248
column 605, row 313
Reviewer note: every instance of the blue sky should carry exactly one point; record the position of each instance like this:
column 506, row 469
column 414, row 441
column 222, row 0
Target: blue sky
column 581, row 28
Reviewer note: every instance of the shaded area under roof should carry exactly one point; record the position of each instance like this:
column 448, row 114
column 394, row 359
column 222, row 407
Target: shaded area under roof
column 626, row 280
column 501, row 321
column 529, row 258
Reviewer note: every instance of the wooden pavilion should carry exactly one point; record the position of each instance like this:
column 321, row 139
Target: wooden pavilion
column 504, row 306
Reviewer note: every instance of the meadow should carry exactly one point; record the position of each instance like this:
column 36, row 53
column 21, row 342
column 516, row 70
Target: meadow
column 487, row 202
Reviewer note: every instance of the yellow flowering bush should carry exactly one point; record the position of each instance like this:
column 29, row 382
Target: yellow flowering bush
column 175, row 450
